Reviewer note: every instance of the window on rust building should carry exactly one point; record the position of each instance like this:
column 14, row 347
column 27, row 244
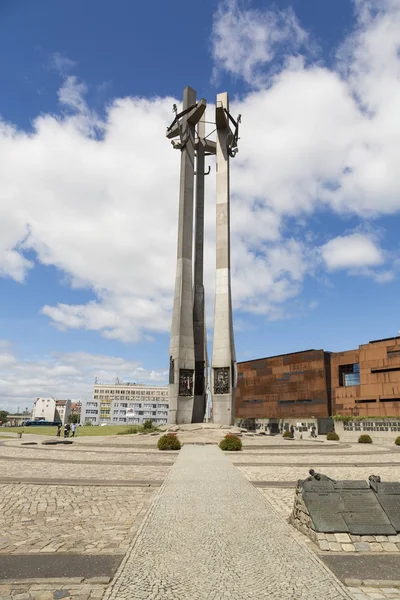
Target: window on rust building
column 349, row 375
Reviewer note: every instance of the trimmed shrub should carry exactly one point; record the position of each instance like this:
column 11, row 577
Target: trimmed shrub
column 286, row 433
column 332, row 436
column 169, row 441
column 365, row 439
column 397, row 441
column 148, row 425
column 231, row 442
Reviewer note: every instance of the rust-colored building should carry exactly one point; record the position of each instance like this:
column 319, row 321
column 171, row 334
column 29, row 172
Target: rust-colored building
column 366, row 382
column 315, row 383
column 290, row 385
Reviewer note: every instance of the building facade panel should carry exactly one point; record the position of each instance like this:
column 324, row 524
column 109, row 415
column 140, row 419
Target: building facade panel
column 283, row 386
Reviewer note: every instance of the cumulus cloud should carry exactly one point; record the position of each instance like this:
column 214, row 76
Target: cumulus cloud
column 99, row 196
column 245, row 41
column 63, row 375
column 351, row 252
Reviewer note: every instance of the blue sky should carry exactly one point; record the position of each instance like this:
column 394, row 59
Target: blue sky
column 89, row 189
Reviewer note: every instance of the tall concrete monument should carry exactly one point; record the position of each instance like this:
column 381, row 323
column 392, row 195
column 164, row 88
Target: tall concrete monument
column 181, row 350
column 188, row 344
column 199, row 323
column 223, row 368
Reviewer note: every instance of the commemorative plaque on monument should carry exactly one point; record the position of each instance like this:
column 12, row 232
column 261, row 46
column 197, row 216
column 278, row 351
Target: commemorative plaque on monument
column 345, row 507
column 388, row 495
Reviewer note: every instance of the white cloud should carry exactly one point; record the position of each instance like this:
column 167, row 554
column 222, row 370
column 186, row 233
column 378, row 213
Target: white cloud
column 63, row 375
column 323, row 135
column 353, row 251
column 61, row 63
column 245, row 41
column 72, row 94
column 98, row 198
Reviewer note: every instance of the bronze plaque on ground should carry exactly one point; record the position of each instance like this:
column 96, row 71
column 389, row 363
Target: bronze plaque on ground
column 364, row 514
column 389, row 498
column 324, row 505
column 345, row 507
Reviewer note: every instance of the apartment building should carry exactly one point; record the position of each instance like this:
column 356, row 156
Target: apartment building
column 50, row 409
column 126, row 403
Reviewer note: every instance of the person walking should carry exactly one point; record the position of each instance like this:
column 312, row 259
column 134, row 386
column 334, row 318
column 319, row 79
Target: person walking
column 74, row 428
column 67, row 429
column 59, row 430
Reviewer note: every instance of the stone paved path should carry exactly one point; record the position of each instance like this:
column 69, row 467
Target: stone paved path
column 211, row 536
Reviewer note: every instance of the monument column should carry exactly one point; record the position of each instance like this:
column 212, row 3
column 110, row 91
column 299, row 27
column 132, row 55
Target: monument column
column 223, row 371
column 200, row 336
column 181, row 350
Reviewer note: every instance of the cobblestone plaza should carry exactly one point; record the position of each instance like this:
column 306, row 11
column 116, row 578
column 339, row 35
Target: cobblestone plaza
column 114, row 518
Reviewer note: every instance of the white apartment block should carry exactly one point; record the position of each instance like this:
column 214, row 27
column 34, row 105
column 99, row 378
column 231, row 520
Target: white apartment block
column 49, row 409
column 126, row 403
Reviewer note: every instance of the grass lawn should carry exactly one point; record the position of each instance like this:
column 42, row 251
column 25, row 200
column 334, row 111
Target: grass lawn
column 82, row 431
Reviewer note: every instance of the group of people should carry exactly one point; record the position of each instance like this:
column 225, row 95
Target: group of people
column 68, row 428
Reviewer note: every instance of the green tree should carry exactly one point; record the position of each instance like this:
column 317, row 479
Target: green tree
column 3, row 416
column 73, row 418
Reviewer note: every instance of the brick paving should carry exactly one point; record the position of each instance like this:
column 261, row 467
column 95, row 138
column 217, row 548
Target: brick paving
column 69, row 519
column 227, row 555
column 51, row 470
column 45, row 590
column 210, row 535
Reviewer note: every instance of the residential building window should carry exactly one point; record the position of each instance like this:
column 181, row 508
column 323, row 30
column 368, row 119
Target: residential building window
column 95, row 397
column 96, row 391
column 349, row 375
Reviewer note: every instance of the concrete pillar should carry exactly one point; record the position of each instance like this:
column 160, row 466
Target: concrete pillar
column 223, row 371
column 200, row 340
column 181, row 350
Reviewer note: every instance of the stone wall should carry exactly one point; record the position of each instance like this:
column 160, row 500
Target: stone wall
column 383, row 430
column 339, row 542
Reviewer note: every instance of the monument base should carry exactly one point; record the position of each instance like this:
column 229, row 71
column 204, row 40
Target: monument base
column 347, row 516
column 222, row 410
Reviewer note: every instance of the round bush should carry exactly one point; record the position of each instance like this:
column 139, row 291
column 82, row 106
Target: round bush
column 365, row 439
column 397, row 441
column 169, row 441
column 332, row 436
column 231, row 443
column 287, row 434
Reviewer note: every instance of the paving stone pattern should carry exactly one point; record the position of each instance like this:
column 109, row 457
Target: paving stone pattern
column 210, row 535
column 294, row 472
column 375, row 593
column 46, row 590
column 90, row 520
column 55, row 470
